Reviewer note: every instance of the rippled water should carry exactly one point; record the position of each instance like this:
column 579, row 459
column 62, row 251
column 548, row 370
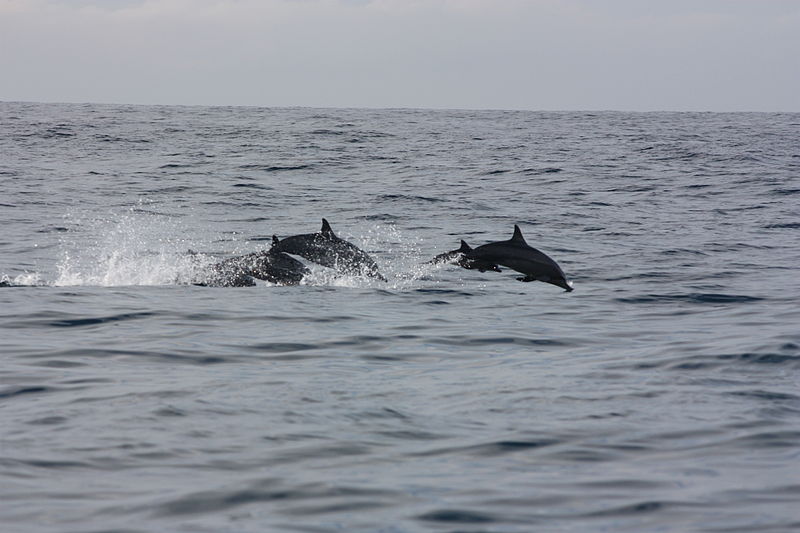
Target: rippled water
column 661, row 395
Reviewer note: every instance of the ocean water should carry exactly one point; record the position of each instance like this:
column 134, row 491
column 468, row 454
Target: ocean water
column 663, row 394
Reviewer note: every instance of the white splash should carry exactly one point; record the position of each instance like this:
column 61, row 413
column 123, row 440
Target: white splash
column 134, row 248
column 139, row 247
column 399, row 259
column 26, row 279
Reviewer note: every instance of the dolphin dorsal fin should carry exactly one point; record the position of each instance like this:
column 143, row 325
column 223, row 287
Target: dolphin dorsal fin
column 275, row 240
column 517, row 237
column 326, row 229
column 465, row 248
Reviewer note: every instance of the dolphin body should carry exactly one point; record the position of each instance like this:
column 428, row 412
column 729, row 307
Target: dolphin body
column 326, row 249
column 459, row 257
column 275, row 267
column 517, row 255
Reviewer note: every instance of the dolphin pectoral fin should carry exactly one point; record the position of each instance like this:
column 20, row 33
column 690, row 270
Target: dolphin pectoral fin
column 526, row 279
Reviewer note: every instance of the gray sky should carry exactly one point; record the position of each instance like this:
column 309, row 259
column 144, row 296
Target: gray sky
column 717, row 55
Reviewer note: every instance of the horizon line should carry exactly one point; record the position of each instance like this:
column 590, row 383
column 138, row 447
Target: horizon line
column 397, row 108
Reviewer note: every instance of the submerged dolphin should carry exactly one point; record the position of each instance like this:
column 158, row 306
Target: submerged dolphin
column 326, row 249
column 270, row 265
column 517, row 255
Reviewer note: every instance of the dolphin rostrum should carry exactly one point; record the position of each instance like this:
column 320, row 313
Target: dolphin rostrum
column 517, row 255
column 270, row 265
column 326, row 249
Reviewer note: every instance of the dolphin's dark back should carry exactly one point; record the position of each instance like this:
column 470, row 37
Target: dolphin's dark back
column 272, row 266
column 326, row 249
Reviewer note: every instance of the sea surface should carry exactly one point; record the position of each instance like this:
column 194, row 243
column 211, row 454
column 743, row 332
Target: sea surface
column 662, row 395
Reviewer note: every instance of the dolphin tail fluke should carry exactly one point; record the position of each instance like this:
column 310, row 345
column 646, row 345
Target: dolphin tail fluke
column 465, row 248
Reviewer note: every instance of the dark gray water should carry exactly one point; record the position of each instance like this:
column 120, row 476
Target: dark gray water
column 661, row 395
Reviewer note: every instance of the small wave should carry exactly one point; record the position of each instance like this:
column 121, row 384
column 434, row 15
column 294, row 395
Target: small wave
column 274, row 168
column 632, row 509
column 326, row 132
column 679, row 251
column 765, row 395
column 458, row 516
column 448, row 292
column 47, row 464
column 57, row 133
column 19, row 391
column 707, row 362
column 273, row 490
column 788, row 225
column 786, row 192
column 760, row 358
column 493, row 341
column 91, row 321
column 252, row 186
column 53, row 229
column 769, row 439
column 537, row 171
column 490, row 449
column 410, row 197
column 634, row 188
column 383, row 217
column 116, row 139
column 172, row 357
column 698, row 298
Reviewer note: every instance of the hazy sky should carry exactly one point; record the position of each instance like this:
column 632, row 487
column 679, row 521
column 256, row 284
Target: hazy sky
column 713, row 55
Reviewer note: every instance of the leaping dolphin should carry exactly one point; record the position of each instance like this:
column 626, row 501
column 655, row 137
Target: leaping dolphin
column 270, row 265
column 459, row 257
column 517, row 255
column 326, row 249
